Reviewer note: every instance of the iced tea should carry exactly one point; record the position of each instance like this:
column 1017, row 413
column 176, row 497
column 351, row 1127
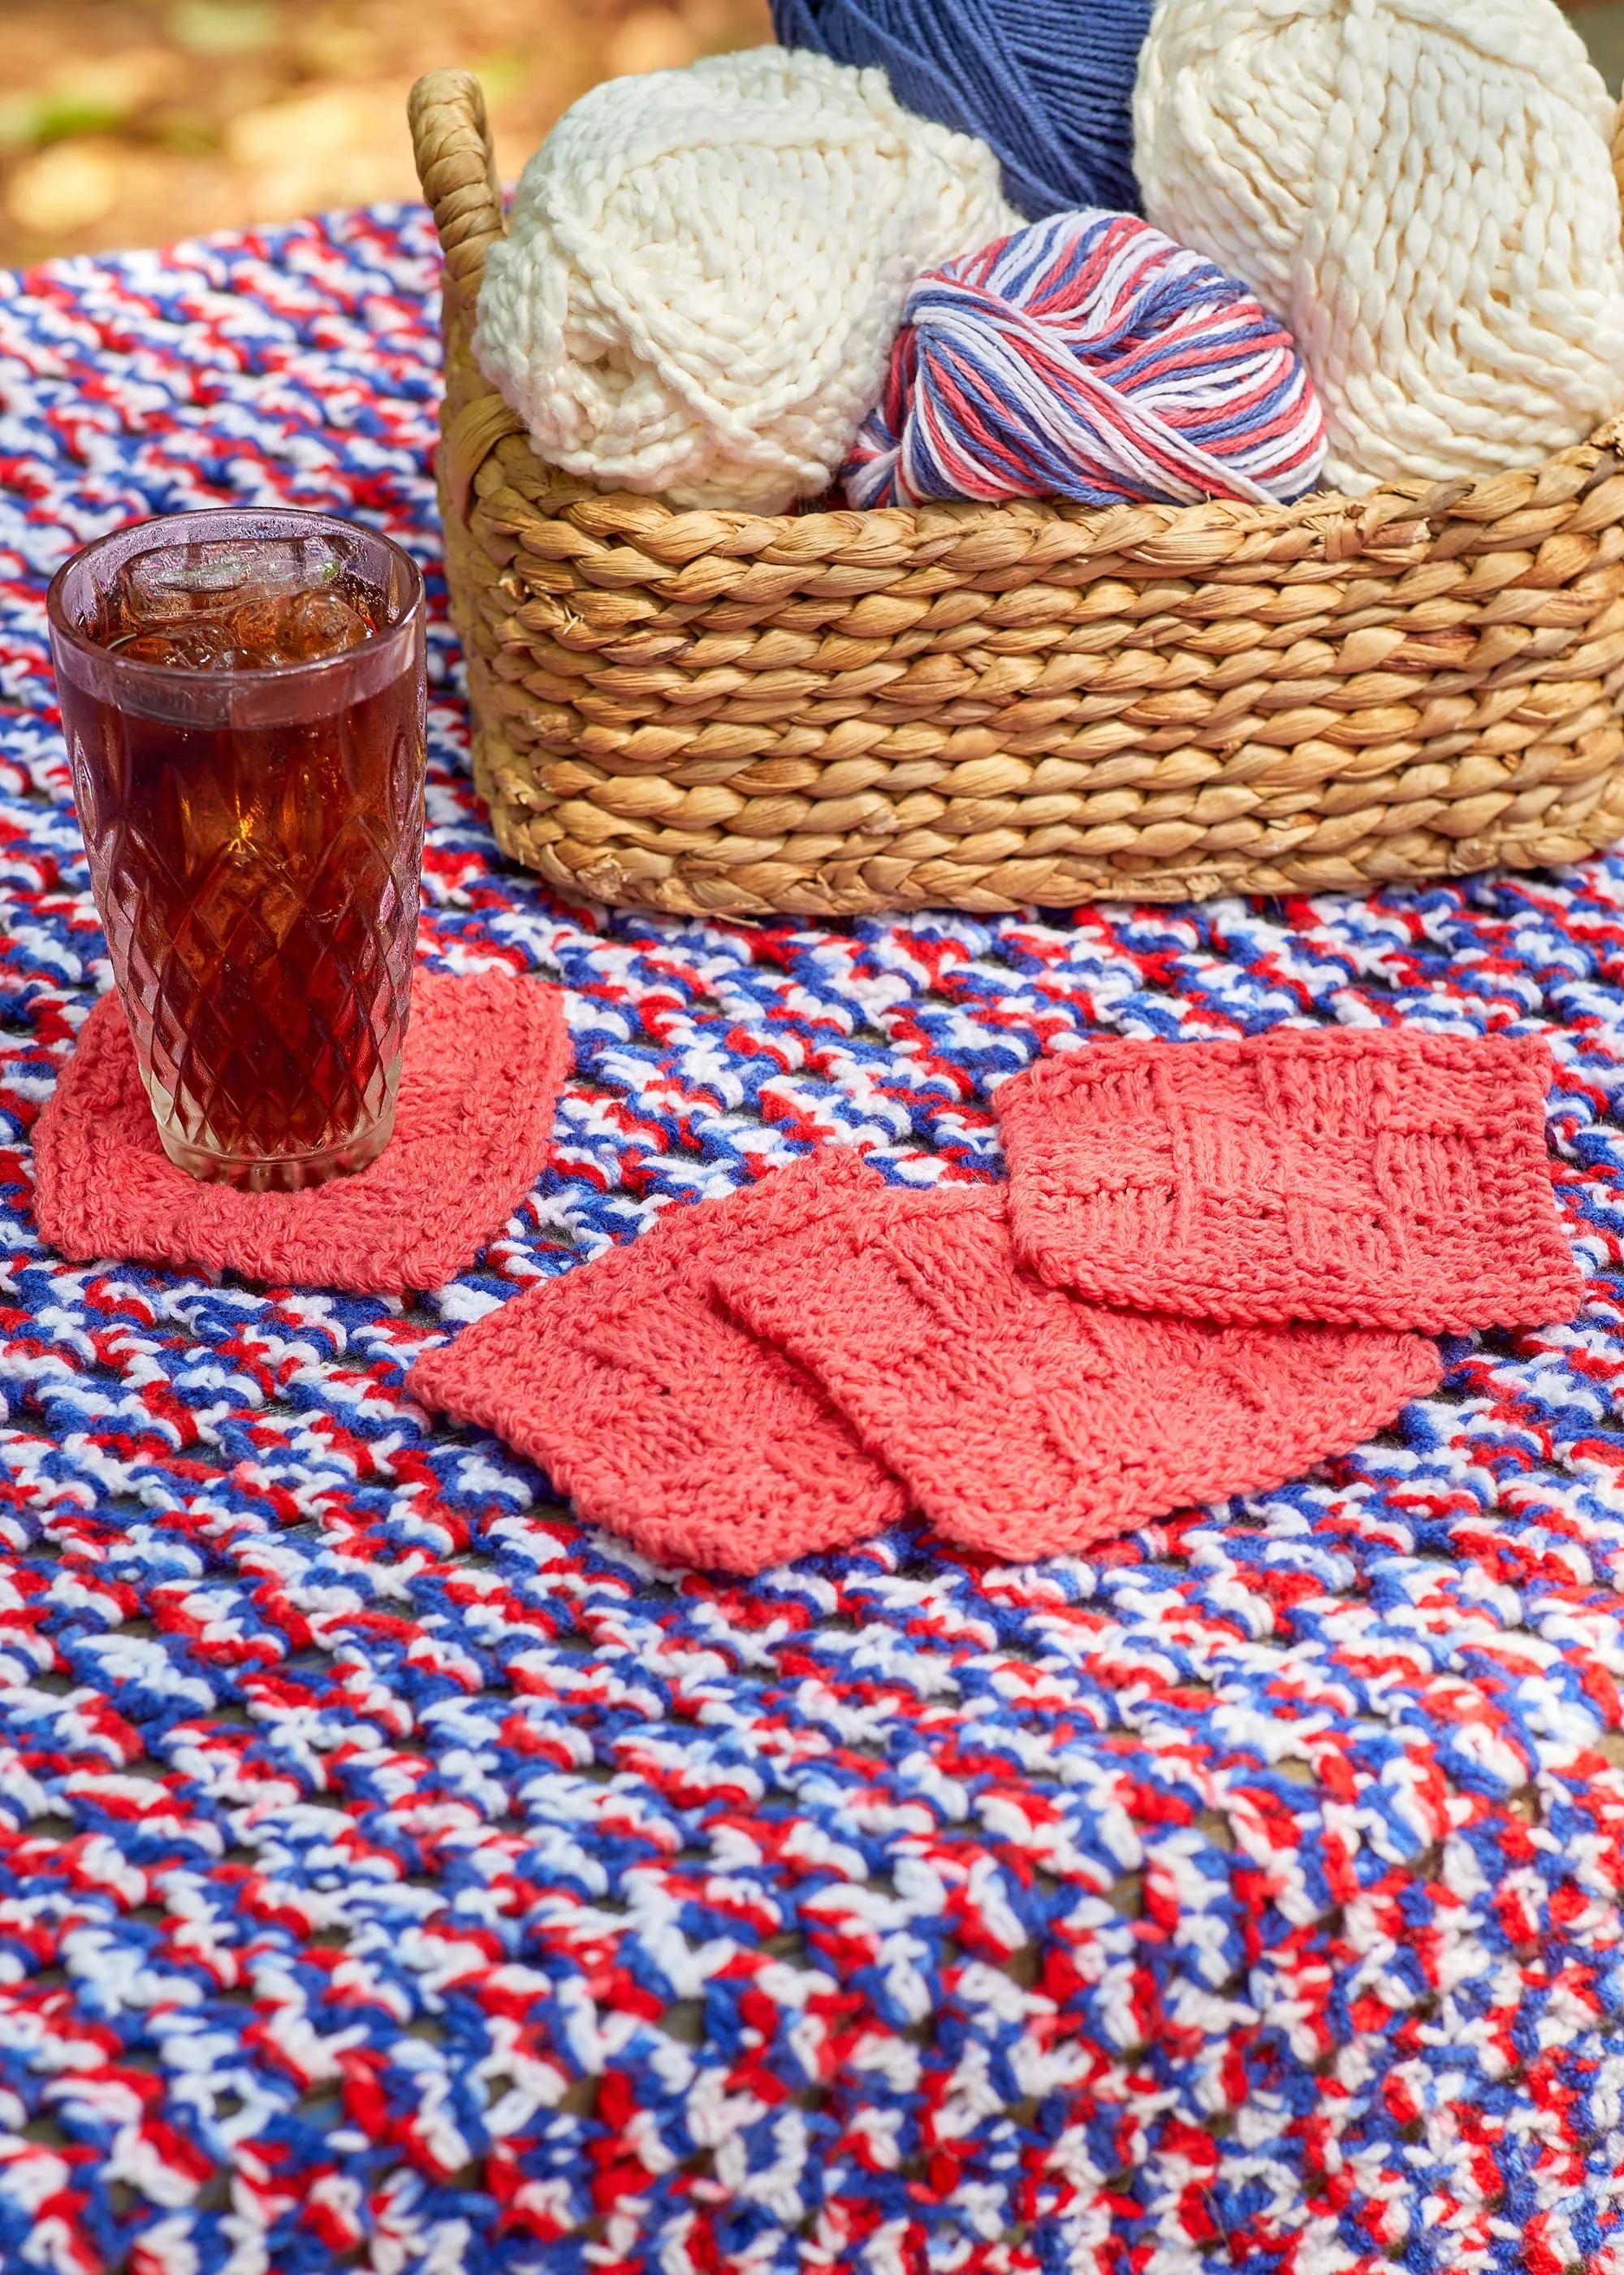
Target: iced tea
column 242, row 699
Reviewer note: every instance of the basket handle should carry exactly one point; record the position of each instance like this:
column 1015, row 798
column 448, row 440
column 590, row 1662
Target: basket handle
column 457, row 166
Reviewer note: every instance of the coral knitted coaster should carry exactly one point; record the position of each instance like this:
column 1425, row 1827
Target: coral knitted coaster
column 657, row 1414
column 1392, row 1179
column 485, row 1057
column 1028, row 1423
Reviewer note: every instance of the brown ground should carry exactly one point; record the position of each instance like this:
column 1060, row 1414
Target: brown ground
column 130, row 122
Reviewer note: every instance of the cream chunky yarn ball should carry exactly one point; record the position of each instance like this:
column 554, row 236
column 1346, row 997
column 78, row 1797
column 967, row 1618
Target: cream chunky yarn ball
column 1422, row 191
column 704, row 269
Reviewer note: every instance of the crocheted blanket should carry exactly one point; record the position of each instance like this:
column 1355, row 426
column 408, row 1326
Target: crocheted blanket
column 395, row 1874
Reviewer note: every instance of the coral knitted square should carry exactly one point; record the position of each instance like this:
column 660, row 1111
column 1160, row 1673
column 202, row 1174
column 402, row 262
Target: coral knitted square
column 657, row 1414
column 485, row 1057
column 1393, row 1179
column 1026, row 1423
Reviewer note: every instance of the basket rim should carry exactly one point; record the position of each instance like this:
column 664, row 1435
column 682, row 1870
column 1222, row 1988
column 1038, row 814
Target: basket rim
column 456, row 167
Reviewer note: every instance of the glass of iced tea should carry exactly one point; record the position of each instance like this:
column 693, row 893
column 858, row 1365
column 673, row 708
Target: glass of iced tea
column 243, row 697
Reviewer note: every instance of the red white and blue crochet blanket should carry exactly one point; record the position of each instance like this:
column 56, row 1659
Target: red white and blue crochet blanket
column 396, row 1874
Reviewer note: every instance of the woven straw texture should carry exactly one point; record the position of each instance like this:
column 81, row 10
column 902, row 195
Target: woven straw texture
column 986, row 705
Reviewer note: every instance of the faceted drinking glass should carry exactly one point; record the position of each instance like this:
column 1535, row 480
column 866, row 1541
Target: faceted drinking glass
column 243, row 698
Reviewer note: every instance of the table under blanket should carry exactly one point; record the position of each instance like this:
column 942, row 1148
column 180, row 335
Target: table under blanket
column 396, row 1874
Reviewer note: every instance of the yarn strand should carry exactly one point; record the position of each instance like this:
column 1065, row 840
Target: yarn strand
column 1048, row 83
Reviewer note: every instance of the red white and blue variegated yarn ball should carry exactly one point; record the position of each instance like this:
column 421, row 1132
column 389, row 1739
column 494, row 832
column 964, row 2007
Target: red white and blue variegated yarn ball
column 396, row 1875
column 1090, row 358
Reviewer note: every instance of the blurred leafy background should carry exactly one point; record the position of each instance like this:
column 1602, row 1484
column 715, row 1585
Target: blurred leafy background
column 1602, row 22
column 131, row 122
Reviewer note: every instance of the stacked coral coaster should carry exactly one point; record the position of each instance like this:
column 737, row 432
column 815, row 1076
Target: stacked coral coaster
column 1212, row 1266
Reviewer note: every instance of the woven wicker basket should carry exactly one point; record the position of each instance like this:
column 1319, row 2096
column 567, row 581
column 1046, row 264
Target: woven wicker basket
column 983, row 705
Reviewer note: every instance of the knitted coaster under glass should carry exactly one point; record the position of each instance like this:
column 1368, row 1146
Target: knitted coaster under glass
column 655, row 1412
column 485, row 1057
column 1024, row 1422
column 1393, row 1179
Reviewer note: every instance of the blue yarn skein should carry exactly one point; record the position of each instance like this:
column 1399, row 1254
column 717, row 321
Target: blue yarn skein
column 1048, row 83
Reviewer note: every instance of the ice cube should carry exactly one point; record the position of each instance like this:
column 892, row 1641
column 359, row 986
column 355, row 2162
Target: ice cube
column 302, row 629
column 194, row 645
column 225, row 604
column 321, row 624
column 180, row 580
column 256, row 627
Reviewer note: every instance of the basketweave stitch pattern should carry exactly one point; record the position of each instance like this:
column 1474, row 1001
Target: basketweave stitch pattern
column 659, row 1416
column 1026, row 1424
column 1380, row 1179
column 484, row 1060
column 396, row 1872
